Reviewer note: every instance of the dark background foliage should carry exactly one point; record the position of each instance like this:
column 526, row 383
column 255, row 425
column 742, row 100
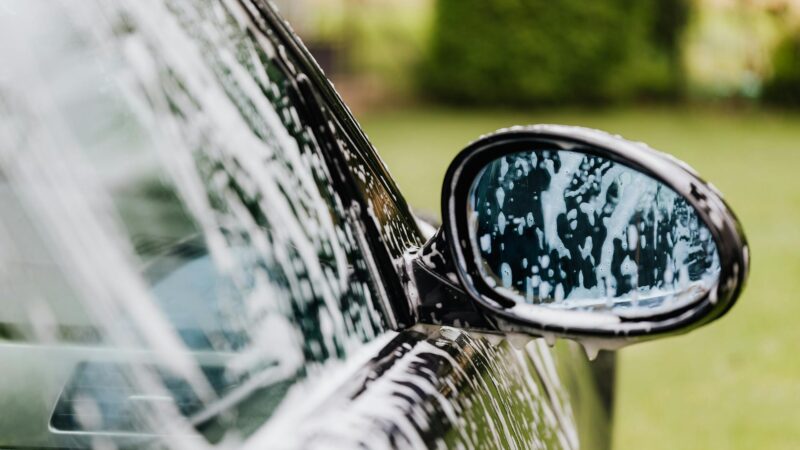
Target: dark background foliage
column 545, row 52
column 783, row 88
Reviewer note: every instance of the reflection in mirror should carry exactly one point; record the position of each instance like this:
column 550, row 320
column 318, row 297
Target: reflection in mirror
column 575, row 231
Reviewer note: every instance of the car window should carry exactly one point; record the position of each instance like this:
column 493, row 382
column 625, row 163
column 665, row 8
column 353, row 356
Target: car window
column 174, row 253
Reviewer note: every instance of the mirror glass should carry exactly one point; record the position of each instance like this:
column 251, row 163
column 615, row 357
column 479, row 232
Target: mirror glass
column 575, row 231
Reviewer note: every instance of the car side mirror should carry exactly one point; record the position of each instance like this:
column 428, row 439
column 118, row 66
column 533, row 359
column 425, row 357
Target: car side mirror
column 571, row 232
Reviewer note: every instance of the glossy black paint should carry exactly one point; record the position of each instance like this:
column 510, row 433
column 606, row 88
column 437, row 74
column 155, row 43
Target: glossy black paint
column 474, row 394
column 708, row 203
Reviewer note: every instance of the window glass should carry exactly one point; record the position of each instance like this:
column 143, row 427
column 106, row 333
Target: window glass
column 174, row 255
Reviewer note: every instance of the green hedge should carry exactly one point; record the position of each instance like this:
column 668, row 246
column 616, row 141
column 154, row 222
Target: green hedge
column 783, row 88
column 554, row 51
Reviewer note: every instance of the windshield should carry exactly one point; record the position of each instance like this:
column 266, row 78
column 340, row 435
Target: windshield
column 174, row 256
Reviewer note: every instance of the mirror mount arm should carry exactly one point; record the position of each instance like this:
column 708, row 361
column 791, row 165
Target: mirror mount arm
column 441, row 298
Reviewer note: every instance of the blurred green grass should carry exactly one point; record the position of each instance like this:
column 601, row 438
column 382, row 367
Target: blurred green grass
column 734, row 384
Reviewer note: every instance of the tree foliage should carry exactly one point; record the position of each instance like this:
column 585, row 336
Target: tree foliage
column 783, row 88
column 552, row 52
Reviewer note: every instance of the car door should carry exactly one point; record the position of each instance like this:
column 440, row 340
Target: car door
column 201, row 249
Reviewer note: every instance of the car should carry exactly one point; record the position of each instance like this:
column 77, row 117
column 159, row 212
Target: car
column 200, row 248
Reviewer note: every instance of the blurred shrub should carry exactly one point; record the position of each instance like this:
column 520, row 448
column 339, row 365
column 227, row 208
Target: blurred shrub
column 546, row 52
column 783, row 88
column 386, row 38
column 728, row 50
column 371, row 45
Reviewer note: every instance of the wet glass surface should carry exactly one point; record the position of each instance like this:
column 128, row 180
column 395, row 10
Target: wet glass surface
column 575, row 231
column 173, row 251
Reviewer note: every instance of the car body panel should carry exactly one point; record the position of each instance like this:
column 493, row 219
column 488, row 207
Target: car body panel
column 441, row 387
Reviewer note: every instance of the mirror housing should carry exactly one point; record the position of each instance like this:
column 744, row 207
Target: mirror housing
column 464, row 269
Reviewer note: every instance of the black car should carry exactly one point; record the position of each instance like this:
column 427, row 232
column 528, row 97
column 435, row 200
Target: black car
column 199, row 248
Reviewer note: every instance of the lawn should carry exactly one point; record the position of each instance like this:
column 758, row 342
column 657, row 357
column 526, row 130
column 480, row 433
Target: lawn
column 734, row 384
